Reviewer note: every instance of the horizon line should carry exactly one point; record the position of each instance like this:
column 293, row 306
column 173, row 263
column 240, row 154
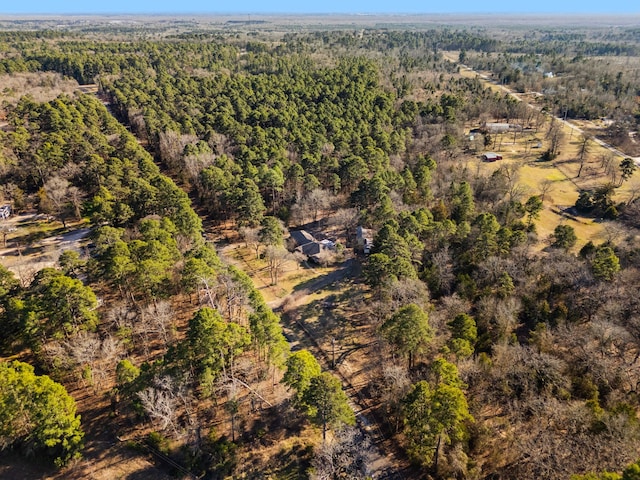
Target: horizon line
column 383, row 14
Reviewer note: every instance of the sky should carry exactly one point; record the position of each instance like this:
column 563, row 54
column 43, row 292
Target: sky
column 315, row 6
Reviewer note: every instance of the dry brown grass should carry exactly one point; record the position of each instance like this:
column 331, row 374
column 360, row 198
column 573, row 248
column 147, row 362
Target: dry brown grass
column 293, row 273
column 42, row 86
column 563, row 172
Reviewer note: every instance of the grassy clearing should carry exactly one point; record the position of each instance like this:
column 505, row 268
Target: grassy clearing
column 562, row 172
column 562, row 194
column 292, row 275
column 33, row 243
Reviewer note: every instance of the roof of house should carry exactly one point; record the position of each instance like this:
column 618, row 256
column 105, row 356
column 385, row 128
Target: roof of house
column 310, row 249
column 301, row 237
column 495, row 127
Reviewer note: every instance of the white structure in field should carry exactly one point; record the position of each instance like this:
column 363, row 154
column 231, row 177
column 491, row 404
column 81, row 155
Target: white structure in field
column 5, row 211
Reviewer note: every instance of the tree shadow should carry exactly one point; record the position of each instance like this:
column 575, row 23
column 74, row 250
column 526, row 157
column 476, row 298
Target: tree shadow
column 15, row 466
column 149, row 473
column 329, row 281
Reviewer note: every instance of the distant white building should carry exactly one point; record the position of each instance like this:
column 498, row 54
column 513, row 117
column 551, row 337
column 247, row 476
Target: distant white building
column 490, row 127
column 5, row 212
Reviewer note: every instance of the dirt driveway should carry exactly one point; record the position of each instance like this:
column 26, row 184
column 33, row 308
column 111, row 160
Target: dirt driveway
column 26, row 252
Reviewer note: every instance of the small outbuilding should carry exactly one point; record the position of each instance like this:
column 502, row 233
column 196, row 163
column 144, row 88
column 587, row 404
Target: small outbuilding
column 491, row 157
column 489, row 127
column 364, row 239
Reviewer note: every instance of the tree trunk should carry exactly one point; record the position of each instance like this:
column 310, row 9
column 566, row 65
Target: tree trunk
column 324, row 430
column 233, row 427
column 436, row 455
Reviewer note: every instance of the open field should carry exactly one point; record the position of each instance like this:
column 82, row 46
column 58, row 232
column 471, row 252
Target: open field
column 563, row 192
column 292, row 275
column 562, row 172
column 324, row 21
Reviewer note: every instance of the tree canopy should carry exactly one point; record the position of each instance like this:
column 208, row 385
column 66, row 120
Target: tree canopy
column 327, row 403
column 408, row 331
column 37, row 415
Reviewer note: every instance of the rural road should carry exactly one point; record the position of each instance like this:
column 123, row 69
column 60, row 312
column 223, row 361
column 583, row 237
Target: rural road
column 25, row 259
column 382, row 460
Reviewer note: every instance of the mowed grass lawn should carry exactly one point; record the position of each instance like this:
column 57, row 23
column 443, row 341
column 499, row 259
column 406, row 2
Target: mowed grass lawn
column 562, row 172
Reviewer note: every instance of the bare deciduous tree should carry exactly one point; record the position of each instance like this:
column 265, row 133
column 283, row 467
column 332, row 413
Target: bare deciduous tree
column 346, row 219
column 347, row 455
column 511, row 174
column 583, row 152
column 56, row 190
column 171, row 145
column 443, row 274
column 406, row 291
column 232, row 298
column 194, row 164
column 75, row 197
column 162, row 401
column 138, row 124
column 555, row 135
column 316, row 202
column 499, row 316
column 251, row 237
column 395, row 386
column 95, row 356
column 546, row 187
column 158, row 318
column 276, row 257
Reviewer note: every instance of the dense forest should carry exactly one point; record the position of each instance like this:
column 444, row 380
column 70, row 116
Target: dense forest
column 491, row 350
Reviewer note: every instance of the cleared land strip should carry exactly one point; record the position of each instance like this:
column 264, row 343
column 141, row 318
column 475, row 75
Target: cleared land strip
column 385, row 462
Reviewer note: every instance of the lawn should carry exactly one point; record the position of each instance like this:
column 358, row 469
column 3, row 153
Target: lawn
column 293, row 273
column 561, row 172
column 565, row 185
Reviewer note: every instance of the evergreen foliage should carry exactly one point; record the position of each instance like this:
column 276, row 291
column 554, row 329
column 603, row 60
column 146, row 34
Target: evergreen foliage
column 37, row 416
